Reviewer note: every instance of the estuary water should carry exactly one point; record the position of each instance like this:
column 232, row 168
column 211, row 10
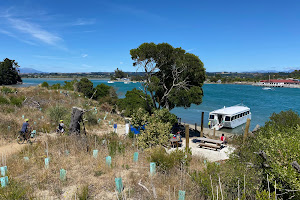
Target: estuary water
column 261, row 102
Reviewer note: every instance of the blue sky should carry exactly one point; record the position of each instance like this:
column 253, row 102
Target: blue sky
column 91, row 36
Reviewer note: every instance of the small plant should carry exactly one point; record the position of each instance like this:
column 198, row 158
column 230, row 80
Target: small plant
column 84, row 193
column 98, row 173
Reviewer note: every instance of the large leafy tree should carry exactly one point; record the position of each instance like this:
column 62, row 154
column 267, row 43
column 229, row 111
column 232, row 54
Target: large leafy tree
column 174, row 78
column 86, row 87
column 9, row 72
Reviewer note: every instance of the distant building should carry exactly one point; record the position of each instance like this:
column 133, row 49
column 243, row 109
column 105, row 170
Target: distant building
column 219, row 81
column 279, row 83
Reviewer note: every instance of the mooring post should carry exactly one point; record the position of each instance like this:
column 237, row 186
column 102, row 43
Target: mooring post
column 195, row 127
column 187, row 136
column 246, row 129
column 202, row 118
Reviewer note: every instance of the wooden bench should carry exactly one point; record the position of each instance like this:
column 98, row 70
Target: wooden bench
column 213, row 146
column 211, row 143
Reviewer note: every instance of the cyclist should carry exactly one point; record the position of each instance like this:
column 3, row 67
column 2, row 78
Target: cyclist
column 61, row 127
column 25, row 128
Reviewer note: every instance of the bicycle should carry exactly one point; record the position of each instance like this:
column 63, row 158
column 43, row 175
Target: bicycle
column 29, row 137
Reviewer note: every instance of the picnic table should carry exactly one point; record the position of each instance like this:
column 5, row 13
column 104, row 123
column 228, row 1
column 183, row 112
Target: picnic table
column 210, row 143
column 174, row 141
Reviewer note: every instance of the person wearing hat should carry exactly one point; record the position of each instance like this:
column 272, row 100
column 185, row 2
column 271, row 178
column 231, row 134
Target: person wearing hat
column 61, row 126
column 25, row 127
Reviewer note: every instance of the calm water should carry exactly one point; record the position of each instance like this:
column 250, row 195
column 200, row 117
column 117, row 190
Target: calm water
column 261, row 102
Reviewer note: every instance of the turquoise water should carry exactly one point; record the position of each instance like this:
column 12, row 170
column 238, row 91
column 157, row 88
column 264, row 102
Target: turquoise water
column 261, row 102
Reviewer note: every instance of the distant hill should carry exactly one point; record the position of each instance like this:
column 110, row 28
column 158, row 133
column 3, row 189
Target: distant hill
column 29, row 71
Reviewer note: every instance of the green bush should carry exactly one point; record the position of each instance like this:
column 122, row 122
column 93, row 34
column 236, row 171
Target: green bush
column 7, row 90
column 3, row 100
column 56, row 86
column 91, row 118
column 17, row 101
column 45, row 84
column 57, row 113
column 165, row 162
column 84, row 193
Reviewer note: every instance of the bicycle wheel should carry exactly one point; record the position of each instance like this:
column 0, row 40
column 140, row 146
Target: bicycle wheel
column 20, row 139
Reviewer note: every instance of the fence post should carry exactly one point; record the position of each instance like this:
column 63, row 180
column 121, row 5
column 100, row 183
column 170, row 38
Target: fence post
column 202, row 119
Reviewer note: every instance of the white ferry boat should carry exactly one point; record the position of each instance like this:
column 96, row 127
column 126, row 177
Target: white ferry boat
column 229, row 117
column 110, row 82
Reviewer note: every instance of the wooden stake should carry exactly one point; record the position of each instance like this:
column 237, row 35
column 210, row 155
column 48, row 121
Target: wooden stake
column 238, row 189
column 187, row 137
column 202, row 119
column 212, row 189
column 220, row 187
column 195, row 127
column 244, row 184
column 268, row 186
column 247, row 129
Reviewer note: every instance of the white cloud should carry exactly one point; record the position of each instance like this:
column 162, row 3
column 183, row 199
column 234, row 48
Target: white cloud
column 84, row 55
column 83, row 22
column 14, row 36
column 35, row 31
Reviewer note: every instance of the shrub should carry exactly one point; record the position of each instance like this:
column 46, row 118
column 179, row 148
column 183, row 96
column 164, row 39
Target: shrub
column 91, row 119
column 57, row 113
column 3, row 100
column 17, row 101
column 165, row 162
column 56, row 86
column 7, row 90
column 45, row 84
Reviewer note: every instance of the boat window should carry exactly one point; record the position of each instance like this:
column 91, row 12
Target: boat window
column 227, row 118
column 211, row 116
column 248, row 112
column 232, row 118
column 240, row 115
column 245, row 113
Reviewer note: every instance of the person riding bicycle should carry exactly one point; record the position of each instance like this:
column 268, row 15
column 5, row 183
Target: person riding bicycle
column 61, row 127
column 25, row 128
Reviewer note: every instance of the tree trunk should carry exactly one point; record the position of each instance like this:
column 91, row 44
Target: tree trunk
column 76, row 118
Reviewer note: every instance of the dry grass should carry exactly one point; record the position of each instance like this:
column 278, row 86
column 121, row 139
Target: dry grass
column 86, row 176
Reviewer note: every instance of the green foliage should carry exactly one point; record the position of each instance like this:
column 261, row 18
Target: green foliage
column 70, row 85
column 157, row 129
column 120, row 74
column 209, row 176
column 165, row 116
column 3, row 100
column 45, row 84
column 9, row 72
column 57, row 113
column 56, row 86
column 165, row 162
column 17, row 101
column 264, row 195
column 7, row 90
column 114, row 144
column 91, row 118
column 174, row 78
column 139, row 118
column 279, row 139
column 106, row 94
column 86, row 87
column 83, row 194
column 16, row 190
column 133, row 100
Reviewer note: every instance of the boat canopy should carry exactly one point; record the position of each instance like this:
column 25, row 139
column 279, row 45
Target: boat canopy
column 233, row 110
